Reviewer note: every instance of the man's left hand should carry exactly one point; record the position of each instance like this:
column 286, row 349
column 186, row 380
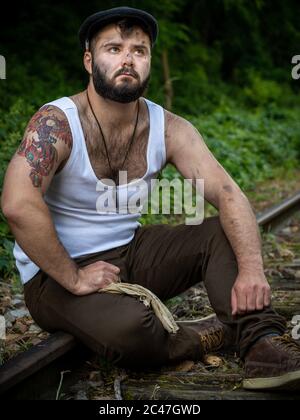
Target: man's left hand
column 251, row 292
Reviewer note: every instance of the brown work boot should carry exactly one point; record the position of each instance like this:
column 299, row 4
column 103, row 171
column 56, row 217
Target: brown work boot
column 210, row 330
column 273, row 363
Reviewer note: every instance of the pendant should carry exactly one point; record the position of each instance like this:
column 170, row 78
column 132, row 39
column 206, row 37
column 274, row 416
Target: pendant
column 115, row 176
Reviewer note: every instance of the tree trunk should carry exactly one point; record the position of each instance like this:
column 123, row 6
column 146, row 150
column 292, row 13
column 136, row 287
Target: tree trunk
column 168, row 88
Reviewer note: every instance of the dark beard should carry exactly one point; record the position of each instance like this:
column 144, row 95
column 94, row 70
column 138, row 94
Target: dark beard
column 124, row 94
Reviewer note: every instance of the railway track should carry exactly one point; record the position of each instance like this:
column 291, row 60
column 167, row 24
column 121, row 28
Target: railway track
column 38, row 372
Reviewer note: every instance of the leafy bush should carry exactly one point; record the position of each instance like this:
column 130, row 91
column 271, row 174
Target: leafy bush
column 12, row 125
column 252, row 145
column 262, row 92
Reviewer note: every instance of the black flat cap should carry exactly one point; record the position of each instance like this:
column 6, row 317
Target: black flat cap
column 98, row 20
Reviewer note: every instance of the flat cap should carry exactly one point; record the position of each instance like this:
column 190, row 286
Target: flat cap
column 98, row 20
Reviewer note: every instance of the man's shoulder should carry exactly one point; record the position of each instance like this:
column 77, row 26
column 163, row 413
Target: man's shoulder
column 48, row 114
column 57, row 108
column 49, row 124
column 175, row 124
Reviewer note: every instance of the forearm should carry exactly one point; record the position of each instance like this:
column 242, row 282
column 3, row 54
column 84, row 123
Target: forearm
column 38, row 239
column 240, row 226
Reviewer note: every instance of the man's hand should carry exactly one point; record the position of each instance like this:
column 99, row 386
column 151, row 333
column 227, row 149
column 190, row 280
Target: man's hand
column 94, row 277
column 251, row 292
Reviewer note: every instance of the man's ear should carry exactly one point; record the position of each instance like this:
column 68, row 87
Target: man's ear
column 87, row 61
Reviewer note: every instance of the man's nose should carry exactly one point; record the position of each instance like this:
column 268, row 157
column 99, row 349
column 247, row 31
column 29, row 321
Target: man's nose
column 128, row 58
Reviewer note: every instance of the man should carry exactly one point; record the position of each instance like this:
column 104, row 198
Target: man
column 67, row 248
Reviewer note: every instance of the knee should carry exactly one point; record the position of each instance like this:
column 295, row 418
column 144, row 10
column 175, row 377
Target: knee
column 215, row 226
column 216, row 238
column 211, row 228
column 216, row 230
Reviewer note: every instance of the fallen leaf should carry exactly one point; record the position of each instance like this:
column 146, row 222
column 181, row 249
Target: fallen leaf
column 12, row 337
column 35, row 341
column 20, row 327
column 212, row 360
column 286, row 253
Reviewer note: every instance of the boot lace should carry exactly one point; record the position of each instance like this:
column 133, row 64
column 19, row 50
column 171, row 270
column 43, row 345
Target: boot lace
column 288, row 344
column 212, row 340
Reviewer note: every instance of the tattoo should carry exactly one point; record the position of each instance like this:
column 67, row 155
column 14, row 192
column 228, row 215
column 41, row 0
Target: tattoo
column 37, row 147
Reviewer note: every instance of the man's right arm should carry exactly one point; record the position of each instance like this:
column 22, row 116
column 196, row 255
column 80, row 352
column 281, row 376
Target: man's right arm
column 45, row 147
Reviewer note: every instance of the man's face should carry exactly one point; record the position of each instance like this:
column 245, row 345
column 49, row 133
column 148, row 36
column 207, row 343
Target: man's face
column 121, row 65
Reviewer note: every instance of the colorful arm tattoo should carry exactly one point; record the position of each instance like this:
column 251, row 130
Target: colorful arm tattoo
column 37, row 147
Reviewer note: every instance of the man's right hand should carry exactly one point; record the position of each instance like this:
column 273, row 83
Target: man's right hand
column 94, row 277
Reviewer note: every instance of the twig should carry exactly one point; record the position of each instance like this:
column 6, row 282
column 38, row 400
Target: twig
column 117, row 385
column 60, row 383
column 156, row 389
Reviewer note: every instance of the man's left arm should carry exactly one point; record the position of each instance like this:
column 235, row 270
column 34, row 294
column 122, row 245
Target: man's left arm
column 187, row 151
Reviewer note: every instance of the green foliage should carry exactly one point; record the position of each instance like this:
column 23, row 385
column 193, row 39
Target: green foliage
column 252, row 144
column 262, row 92
column 12, row 125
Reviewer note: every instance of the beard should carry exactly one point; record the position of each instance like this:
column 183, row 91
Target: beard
column 125, row 93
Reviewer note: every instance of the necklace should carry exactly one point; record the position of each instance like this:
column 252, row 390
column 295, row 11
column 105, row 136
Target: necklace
column 115, row 172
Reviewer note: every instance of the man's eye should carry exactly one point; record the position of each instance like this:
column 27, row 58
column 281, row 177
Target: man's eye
column 140, row 52
column 114, row 49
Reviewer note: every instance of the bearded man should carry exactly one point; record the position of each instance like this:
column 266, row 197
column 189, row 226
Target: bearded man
column 67, row 249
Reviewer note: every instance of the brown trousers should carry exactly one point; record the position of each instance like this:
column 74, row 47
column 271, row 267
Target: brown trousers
column 167, row 260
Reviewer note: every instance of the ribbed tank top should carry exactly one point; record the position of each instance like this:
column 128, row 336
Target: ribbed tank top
column 83, row 226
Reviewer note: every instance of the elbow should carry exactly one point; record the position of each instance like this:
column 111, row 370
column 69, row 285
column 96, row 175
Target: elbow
column 18, row 210
column 231, row 196
column 10, row 210
column 233, row 192
column 9, row 213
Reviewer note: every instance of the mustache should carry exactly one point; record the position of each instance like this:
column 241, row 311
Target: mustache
column 127, row 71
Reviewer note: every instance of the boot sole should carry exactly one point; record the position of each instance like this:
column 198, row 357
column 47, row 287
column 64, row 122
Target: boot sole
column 289, row 381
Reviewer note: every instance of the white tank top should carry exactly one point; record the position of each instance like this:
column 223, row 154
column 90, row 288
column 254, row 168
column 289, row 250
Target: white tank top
column 82, row 224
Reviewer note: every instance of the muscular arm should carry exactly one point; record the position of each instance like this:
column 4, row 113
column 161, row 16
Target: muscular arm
column 46, row 144
column 188, row 152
